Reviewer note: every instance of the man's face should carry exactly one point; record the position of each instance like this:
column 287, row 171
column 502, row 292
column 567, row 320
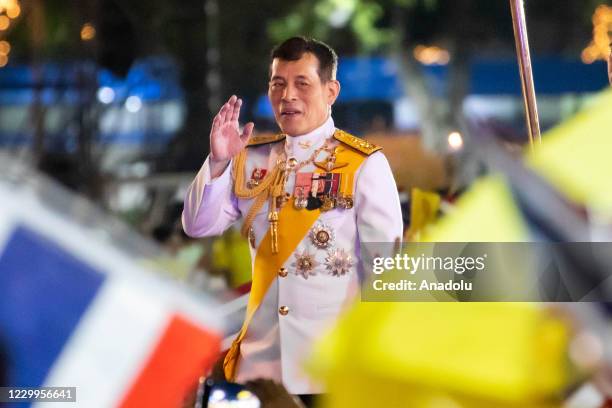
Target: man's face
column 299, row 98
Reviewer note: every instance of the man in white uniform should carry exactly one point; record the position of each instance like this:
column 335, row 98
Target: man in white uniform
column 308, row 198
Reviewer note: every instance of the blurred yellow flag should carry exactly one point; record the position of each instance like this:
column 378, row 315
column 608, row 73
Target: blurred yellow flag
column 424, row 206
column 444, row 355
column 485, row 213
column 576, row 156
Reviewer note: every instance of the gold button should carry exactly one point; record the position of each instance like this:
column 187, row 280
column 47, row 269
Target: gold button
column 283, row 310
column 282, row 272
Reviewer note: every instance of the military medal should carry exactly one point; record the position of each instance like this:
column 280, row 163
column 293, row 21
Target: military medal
column 300, row 201
column 304, row 264
column 327, row 203
column 315, row 190
column 328, row 199
column 345, row 202
column 348, row 202
column 338, row 262
column 321, row 235
column 256, row 177
column 302, row 189
column 345, row 198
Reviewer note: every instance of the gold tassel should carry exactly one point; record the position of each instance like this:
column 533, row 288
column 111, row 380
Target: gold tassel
column 273, row 220
column 276, row 190
column 272, row 186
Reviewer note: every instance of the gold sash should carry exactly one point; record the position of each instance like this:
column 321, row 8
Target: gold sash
column 293, row 225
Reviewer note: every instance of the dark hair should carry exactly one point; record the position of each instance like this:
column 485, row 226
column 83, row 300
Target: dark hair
column 295, row 47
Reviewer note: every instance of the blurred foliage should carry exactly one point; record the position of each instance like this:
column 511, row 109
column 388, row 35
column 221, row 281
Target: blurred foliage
column 248, row 29
column 366, row 26
column 324, row 18
column 61, row 27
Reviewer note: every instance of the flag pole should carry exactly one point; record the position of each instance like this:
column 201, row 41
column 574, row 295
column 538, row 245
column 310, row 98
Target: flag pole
column 524, row 59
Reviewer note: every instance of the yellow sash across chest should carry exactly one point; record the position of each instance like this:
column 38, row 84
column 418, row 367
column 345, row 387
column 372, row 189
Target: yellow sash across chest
column 293, row 225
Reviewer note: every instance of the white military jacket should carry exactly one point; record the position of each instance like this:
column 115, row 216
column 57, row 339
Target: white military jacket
column 298, row 306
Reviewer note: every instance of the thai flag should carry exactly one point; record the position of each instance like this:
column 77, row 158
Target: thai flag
column 77, row 310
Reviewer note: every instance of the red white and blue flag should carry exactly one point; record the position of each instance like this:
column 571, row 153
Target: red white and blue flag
column 77, row 310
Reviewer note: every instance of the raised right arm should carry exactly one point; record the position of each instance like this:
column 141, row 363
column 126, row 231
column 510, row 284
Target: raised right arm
column 210, row 206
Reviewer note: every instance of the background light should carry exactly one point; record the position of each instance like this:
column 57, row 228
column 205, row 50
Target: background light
column 106, row 95
column 4, row 22
column 5, row 47
column 13, row 11
column 217, row 395
column 133, row 104
column 431, row 55
column 455, row 140
column 88, row 32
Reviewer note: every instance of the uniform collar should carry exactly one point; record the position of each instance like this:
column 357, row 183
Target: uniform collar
column 301, row 147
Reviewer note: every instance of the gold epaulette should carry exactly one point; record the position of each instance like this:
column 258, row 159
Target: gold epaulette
column 356, row 143
column 265, row 139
